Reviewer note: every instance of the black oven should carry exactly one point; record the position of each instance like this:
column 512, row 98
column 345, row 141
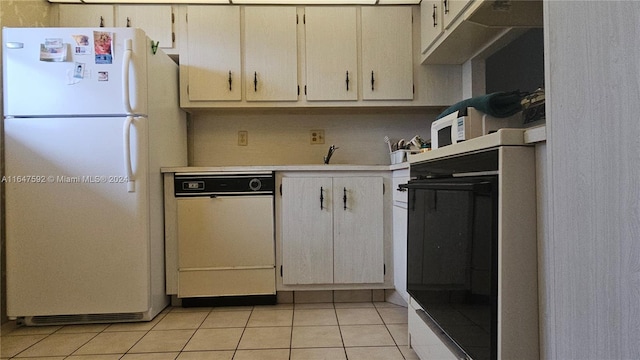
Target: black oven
column 452, row 250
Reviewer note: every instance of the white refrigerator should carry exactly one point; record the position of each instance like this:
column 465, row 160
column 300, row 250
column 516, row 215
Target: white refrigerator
column 90, row 117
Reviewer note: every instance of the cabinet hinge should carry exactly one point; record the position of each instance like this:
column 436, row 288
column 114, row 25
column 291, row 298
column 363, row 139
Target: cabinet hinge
column 384, row 189
column 280, row 270
column 187, row 89
column 173, row 18
column 298, row 90
column 413, row 88
column 186, row 17
column 296, row 18
column 173, row 37
column 305, row 90
column 384, row 269
column 304, row 19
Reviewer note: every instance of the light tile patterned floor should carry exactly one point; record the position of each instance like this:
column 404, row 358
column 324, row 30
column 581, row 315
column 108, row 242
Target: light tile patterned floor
column 321, row 331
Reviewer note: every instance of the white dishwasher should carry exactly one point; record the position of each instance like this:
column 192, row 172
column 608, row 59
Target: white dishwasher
column 226, row 241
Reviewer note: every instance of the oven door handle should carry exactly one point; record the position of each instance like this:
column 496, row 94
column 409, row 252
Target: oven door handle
column 479, row 186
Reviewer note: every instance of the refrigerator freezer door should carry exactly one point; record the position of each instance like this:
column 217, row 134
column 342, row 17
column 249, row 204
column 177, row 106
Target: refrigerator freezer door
column 73, row 71
column 65, row 255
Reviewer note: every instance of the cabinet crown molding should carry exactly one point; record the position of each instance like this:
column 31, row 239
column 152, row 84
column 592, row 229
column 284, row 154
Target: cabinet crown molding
column 245, row 2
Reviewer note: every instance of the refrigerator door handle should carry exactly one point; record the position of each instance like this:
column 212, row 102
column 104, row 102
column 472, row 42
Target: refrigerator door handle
column 126, row 63
column 128, row 168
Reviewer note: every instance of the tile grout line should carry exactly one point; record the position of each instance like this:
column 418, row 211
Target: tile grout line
column 344, row 347
column 194, row 332
column 293, row 319
column 389, row 331
column 142, row 337
column 244, row 329
column 147, row 332
column 49, row 335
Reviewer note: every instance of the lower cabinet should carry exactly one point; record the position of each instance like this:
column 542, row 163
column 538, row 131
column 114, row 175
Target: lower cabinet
column 332, row 230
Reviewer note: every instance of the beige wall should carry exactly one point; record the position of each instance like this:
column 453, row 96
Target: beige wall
column 283, row 138
column 24, row 13
column 16, row 13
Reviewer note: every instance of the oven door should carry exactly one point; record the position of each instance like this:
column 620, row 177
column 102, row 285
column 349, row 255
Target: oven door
column 452, row 258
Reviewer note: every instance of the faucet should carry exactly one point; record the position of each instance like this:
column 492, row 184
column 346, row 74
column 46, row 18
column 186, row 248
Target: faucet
column 332, row 148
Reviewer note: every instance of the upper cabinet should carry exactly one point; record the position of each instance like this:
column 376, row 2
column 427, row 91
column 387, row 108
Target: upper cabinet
column 270, row 54
column 387, row 53
column 212, row 62
column 452, row 10
column 306, row 56
column 430, row 23
column 211, row 68
column 156, row 20
column 70, row 15
column 331, row 53
column 453, row 31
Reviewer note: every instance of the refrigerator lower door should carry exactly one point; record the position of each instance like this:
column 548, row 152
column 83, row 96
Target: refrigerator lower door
column 77, row 239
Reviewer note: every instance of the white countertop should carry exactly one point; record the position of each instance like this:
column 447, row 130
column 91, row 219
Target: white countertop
column 259, row 168
column 502, row 137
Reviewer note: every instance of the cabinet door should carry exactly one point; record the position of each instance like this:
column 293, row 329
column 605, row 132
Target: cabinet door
column 307, row 233
column 430, row 23
column 331, row 53
column 452, row 9
column 213, row 53
column 358, row 237
column 387, row 53
column 271, row 53
column 155, row 20
column 85, row 15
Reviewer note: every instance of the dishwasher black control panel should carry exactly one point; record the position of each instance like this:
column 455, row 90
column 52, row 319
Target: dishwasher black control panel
column 189, row 185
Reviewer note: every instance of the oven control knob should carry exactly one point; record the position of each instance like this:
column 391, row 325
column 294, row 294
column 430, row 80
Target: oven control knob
column 255, row 184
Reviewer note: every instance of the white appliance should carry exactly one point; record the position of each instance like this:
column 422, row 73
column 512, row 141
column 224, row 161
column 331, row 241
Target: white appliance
column 90, row 117
column 467, row 124
column 225, row 238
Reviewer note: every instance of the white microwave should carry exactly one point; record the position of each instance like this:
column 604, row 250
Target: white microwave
column 467, row 124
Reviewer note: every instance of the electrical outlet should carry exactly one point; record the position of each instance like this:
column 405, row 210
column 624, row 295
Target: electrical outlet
column 243, row 138
column 317, row 136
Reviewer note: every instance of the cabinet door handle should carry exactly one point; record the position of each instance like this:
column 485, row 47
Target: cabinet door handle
column 321, row 198
column 230, row 81
column 372, row 81
column 255, row 81
column 344, row 198
column 435, row 9
column 128, row 22
column 101, row 21
column 446, row 6
column 347, row 80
